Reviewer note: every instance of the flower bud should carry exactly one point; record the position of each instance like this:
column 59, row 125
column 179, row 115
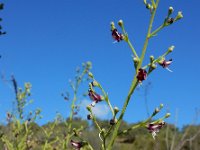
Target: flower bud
column 157, row 110
column 153, row 66
column 161, row 106
column 89, row 64
column 167, row 115
column 171, row 48
column 151, row 58
column 103, row 131
column 170, row 10
column 38, row 111
column 148, row 6
column 89, row 108
column 120, row 23
column 179, row 15
column 27, row 85
column 136, row 60
column 112, row 24
column 116, row 110
column 90, row 75
column 95, row 83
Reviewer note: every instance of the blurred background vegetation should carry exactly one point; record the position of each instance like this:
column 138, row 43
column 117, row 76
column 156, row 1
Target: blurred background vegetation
column 169, row 138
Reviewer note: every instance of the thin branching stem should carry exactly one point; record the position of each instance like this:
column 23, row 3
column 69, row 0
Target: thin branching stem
column 107, row 99
column 75, row 89
column 129, row 42
column 157, row 30
column 135, row 81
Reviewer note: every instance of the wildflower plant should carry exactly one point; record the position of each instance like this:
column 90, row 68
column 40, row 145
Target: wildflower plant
column 108, row 136
column 81, row 75
column 19, row 121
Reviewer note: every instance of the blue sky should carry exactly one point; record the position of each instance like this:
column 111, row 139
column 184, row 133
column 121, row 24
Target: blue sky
column 46, row 40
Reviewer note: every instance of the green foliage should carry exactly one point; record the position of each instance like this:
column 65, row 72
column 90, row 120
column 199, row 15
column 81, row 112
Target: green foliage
column 137, row 139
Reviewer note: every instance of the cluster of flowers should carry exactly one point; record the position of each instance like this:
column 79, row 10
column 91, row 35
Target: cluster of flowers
column 141, row 73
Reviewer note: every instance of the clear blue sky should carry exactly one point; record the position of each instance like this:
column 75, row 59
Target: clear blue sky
column 46, row 40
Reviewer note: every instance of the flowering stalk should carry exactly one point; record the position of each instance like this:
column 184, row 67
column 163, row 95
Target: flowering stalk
column 75, row 87
column 160, row 58
column 140, row 75
column 80, row 143
column 92, row 117
column 135, row 81
column 20, row 123
column 168, row 21
column 146, row 122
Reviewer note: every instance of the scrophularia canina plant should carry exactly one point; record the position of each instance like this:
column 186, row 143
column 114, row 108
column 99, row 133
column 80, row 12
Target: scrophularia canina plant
column 109, row 136
column 75, row 85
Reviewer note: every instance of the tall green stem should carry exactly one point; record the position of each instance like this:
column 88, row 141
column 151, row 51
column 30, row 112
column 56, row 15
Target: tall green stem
column 133, row 86
column 148, row 35
column 135, row 81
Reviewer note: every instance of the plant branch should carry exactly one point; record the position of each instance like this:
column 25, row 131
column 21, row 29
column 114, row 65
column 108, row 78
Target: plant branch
column 134, row 82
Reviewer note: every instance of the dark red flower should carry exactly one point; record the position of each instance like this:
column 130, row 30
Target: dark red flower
column 165, row 63
column 142, row 75
column 76, row 145
column 94, row 96
column 170, row 20
column 154, row 128
column 116, row 35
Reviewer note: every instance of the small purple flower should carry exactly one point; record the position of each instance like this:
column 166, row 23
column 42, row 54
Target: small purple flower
column 76, row 145
column 142, row 75
column 164, row 63
column 95, row 97
column 117, row 36
column 154, row 128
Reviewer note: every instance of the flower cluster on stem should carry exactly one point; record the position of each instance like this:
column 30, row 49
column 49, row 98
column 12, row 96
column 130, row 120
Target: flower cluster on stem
column 140, row 75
